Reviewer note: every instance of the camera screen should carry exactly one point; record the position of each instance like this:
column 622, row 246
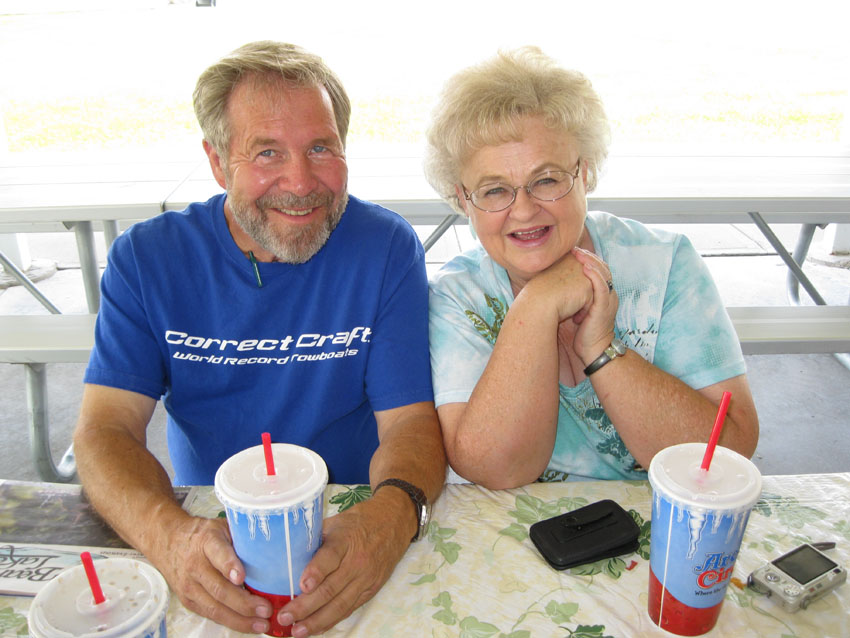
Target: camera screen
column 804, row 563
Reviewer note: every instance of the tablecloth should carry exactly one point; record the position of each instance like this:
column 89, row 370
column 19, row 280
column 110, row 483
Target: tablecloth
column 476, row 574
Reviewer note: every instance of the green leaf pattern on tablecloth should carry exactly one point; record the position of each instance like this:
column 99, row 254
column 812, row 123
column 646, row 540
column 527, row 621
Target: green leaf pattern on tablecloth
column 515, row 531
column 350, row 496
column 445, row 614
column 559, row 613
column 440, row 537
column 530, row 509
column 772, row 543
column 527, row 511
column 588, row 631
column 643, row 537
column 471, row 627
column 746, row 597
column 12, row 622
column 788, row 510
column 612, row 567
column 842, row 527
column 449, row 550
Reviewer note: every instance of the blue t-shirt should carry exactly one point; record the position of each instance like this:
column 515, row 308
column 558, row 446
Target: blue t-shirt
column 307, row 357
column 669, row 312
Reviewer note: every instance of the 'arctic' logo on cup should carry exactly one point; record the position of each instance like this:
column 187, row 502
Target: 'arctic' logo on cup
column 716, row 569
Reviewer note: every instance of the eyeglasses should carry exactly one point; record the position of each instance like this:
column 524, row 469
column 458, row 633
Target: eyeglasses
column 548, row 186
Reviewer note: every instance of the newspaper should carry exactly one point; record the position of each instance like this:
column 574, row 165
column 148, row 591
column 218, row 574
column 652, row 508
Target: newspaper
column 26, row 568
column 45, row 526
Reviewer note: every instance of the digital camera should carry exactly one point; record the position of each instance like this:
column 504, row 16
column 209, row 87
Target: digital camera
column 797, row 578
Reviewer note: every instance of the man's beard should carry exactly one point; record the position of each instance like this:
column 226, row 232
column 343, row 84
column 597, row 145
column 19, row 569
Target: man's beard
column 294, row 246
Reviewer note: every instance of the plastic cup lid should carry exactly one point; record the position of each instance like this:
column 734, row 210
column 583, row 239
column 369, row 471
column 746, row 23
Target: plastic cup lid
column 136, row 602
column 732, row 482
column 242, row 482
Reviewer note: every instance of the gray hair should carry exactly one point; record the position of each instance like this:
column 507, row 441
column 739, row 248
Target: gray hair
column 263, row 61
column 483, row 105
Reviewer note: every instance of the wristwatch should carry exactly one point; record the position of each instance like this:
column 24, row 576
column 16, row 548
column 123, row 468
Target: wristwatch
column 420, row 502
column 616, row 349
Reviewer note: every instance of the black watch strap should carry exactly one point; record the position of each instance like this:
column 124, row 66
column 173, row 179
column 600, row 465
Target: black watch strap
column 417, row 497
column 616, row 349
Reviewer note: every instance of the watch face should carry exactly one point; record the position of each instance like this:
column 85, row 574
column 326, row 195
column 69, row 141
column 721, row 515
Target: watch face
column 618, row 346
column 424, row 519
column 419, row 500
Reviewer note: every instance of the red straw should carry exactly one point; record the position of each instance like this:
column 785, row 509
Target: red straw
column 267, row 448
column 715, row 431
column 91, row 574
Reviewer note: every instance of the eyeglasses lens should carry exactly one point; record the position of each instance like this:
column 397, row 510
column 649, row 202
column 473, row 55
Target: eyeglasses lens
column 548, row 186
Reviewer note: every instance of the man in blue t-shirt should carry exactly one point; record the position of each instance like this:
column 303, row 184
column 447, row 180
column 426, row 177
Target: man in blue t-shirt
column 283, row 305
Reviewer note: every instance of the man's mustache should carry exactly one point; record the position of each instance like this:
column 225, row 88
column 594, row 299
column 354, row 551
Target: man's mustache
column 290, row 201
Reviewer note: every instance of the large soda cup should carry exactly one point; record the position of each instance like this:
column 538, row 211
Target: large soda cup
column 136, row 600
column 275, row 520
column 698, row 521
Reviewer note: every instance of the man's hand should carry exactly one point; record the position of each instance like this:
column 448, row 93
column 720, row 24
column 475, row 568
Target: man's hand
column 197, row 559
column 132, row 491
column 360, row 548
column 362, row 545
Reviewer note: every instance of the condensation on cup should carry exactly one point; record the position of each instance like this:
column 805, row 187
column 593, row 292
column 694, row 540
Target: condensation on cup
column 698, row 521
column 135, row 606
column 275, row 521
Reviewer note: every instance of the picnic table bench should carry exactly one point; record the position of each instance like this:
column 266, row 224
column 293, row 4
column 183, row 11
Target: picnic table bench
column 36, row 340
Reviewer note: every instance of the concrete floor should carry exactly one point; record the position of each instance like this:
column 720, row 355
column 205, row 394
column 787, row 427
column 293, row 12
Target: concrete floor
column 803, row 400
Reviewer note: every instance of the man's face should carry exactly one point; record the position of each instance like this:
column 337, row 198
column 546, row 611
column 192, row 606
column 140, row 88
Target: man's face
column 286, row 173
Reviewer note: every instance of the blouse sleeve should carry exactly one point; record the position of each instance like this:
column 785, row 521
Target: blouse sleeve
column 464, row 322
column 696, row 339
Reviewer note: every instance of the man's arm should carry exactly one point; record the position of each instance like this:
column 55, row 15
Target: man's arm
column 362, row 545
column 132, row 491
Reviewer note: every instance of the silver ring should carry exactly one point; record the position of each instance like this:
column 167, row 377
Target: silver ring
column 610, row 285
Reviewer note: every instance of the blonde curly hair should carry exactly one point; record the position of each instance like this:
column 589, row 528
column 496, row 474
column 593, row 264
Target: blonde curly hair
column 482, row 105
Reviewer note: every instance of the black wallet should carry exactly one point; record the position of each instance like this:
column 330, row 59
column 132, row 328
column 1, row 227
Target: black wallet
column 593, row 532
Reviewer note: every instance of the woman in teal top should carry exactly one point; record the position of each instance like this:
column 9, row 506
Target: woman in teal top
column 568, row 344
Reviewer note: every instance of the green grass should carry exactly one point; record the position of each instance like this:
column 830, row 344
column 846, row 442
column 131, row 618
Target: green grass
column 117, row 121
column 389, row 119
column 105, row 122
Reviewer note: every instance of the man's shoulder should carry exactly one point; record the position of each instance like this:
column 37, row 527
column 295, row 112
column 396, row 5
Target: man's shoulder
column 191, row 225
column 377, row 230
column 194, row 215
column 168, row 236
column 369, row 213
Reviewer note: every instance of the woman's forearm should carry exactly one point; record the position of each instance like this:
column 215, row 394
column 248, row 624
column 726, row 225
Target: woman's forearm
column 652, row 409
column 504, row 435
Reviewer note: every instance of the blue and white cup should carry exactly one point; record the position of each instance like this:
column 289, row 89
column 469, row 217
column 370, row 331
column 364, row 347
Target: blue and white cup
column 698, row 522
column 136, row 603
column 275, row 521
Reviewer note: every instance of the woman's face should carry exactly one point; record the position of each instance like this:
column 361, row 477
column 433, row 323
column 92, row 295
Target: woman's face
column 530, row 235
